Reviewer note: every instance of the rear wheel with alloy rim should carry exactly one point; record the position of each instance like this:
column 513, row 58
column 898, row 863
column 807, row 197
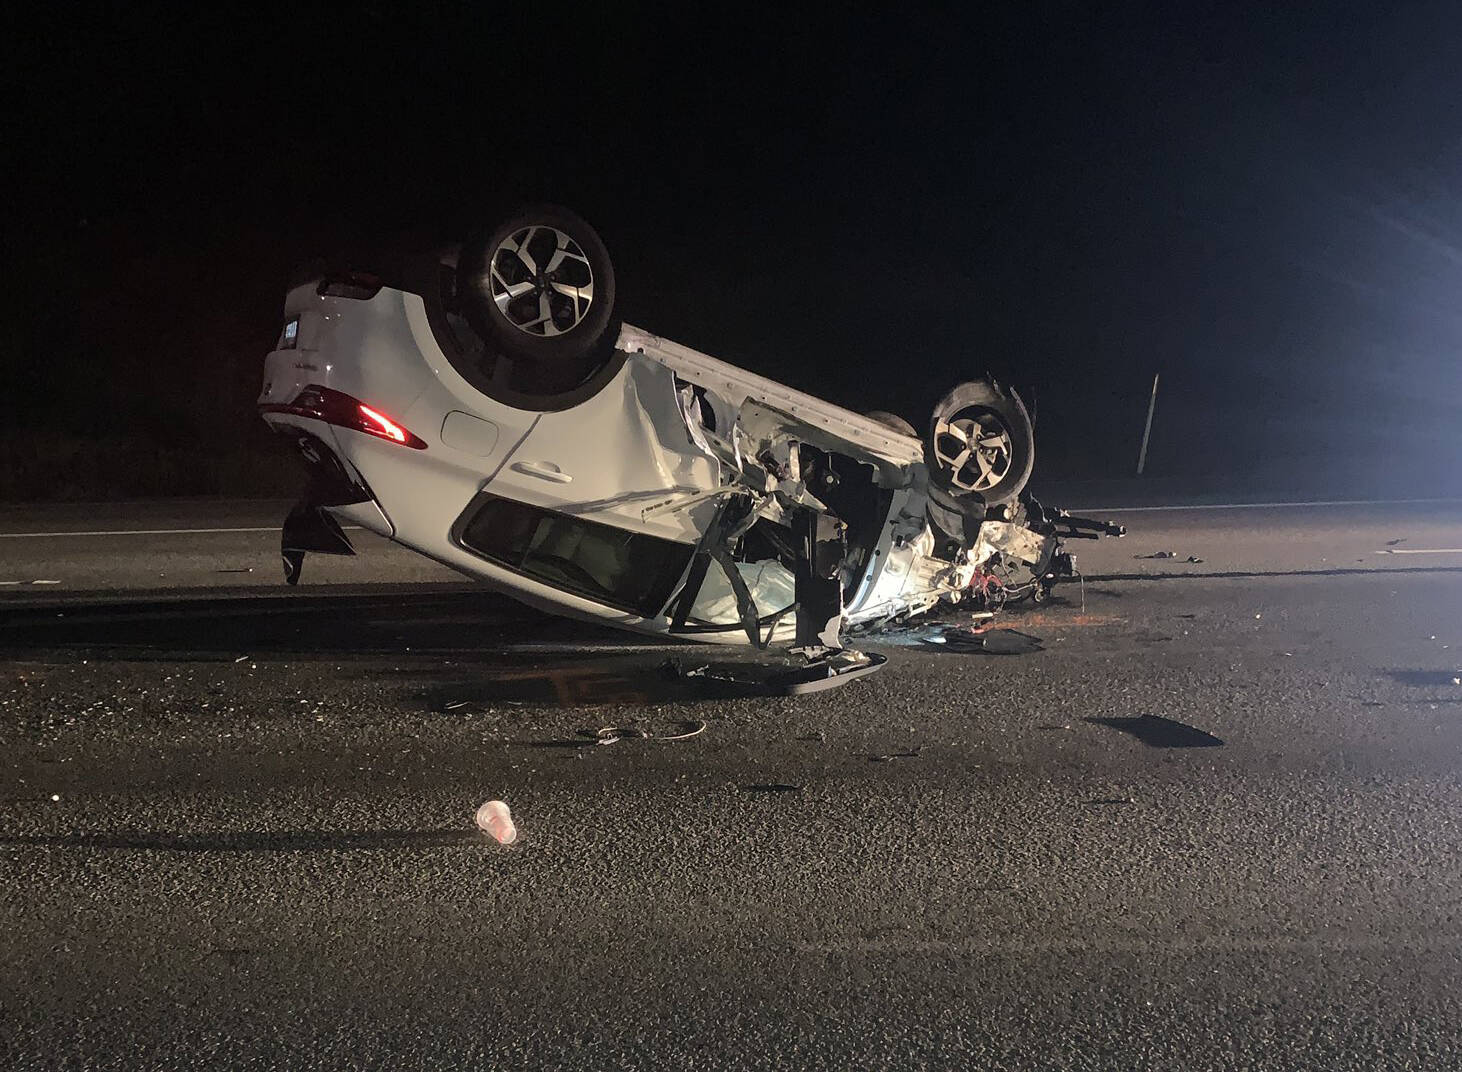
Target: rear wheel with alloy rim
column 539, row 290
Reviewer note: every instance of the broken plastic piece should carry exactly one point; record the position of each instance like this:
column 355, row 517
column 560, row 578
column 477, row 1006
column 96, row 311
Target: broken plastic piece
column 889, row 757
column 992, row 641
column 677, row 731
column 494, row 818
column 694, row 727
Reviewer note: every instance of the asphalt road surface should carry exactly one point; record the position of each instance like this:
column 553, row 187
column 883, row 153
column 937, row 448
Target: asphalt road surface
column 1215, row 821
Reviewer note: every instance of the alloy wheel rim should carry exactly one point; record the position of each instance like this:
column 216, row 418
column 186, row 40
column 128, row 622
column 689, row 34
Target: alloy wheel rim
column 541, row 281
column 974, row 448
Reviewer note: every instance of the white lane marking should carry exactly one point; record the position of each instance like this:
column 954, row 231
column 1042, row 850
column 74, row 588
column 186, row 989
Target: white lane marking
column 1421, row 551
column 1267, row 505
column 126, row 532
column 45, row 582
column 138, row 532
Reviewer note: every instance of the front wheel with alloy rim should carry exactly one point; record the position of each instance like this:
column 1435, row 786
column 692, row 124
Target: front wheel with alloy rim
column 981, row 442
column 539, row 290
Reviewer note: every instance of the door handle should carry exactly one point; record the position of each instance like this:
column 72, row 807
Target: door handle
column 546, row 470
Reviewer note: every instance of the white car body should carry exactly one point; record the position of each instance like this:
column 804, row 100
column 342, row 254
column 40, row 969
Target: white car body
column 637, row 455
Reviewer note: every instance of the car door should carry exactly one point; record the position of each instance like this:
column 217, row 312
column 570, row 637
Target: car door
column 623, row 458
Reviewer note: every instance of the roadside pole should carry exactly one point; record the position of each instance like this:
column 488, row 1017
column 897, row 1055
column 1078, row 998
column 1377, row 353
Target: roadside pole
column 1147, row 432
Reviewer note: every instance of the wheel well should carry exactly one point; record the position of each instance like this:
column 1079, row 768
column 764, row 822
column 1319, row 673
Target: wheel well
column 436, row 282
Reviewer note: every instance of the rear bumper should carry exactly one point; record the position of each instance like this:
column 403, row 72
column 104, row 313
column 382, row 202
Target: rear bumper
column 332, row 483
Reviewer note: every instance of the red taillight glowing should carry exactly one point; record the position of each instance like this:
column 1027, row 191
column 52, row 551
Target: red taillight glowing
column 384, row 426
column 338, row 408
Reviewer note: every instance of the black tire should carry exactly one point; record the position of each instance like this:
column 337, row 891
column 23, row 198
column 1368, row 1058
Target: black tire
column 547, row 355
column 957, row 518
column 1000, row 415
column 892, row 421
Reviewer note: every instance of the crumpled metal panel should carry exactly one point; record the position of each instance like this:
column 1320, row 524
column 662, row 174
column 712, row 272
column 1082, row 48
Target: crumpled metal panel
column 623, row 450
column 736, row 386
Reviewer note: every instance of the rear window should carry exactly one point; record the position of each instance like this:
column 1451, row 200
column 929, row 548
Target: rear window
column 624, row 569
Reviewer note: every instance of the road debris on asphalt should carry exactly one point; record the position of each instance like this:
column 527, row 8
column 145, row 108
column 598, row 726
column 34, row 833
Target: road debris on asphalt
column 615, row 734
column 679, row 730
column 889, row 757
column 693, row 728
column 719, row 674
column 984, row 639
column 1170, row 554
column 494, row 818
column 791, row 673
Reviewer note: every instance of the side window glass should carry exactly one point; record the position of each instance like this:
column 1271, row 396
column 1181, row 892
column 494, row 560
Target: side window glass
column 624, row 569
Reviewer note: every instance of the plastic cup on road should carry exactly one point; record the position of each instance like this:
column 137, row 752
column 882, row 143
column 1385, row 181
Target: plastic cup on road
column 494, row 818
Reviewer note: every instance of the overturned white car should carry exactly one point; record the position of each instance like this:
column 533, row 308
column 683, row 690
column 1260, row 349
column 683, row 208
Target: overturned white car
column 488, row 411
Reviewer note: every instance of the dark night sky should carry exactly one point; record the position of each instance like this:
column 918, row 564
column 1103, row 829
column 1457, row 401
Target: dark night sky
column 1266, row 205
